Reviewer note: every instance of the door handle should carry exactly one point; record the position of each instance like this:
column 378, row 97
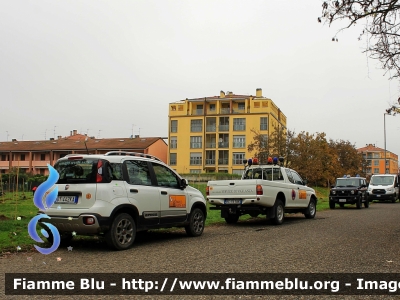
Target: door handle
column 134, row 191
column 164, row 193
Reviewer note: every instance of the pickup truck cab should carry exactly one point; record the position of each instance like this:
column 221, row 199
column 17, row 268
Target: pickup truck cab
column 268, row 189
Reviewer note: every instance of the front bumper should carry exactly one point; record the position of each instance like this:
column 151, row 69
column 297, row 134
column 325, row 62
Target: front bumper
column 381, row 197
column 344, row 199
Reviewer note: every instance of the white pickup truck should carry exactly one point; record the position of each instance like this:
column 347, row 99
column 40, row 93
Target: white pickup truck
column 269, row 190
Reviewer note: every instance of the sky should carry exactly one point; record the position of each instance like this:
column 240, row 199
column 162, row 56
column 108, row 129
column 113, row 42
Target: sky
column 110, row 68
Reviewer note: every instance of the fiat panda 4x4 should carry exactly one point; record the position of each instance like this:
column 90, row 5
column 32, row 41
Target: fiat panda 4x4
column 119, row 194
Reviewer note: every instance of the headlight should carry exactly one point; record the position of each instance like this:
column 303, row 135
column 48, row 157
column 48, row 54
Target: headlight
column 352, row 192
column 390, row 189
column 333, row 192
column 369, row 189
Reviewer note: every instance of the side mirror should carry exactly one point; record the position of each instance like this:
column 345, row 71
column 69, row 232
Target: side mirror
column 184, row 183
column 332, row 186
column 305, row 181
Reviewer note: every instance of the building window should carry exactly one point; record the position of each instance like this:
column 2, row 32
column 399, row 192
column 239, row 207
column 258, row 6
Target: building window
column 212, row 107
column 42, row 156
column 387, row 162
column 376, row 162
column 376, row 155
column 223, row 157
column 264, row 141
column 194, row 171
column 265, row 104
column 172, row 159
column 241, row 106
column 174, row 142
column 239, row 124
column 239, row 141
column 22, row 157
column 224, row 124
column 237, row 172
column 195, row 142
column 263, row 123
column 196, row 125
column 256, row 104
column 180, row 107
column 4, row 157
column 173, row 107
column 174, row 125
column 376, row 170
column 238, row 158
column 195, row 158
column 210, row 157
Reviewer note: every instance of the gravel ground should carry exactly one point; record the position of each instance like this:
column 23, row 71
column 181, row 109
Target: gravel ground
column 337, row 241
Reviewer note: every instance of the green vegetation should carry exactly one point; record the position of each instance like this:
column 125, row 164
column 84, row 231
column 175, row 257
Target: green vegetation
column 14, row 231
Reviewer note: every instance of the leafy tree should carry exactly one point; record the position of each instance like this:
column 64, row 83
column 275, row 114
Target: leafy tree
column 381, row 29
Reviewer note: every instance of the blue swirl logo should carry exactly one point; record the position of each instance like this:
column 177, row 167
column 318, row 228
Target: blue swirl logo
column 44, row 198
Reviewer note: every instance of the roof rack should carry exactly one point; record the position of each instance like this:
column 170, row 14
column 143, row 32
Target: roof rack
column 132, row 154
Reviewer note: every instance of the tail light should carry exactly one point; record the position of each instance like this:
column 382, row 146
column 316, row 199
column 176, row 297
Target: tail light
column 259, row 189
column 99, row 175
column 207, row 190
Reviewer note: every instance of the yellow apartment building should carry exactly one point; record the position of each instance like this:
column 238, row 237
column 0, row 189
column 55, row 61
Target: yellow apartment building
column 211, row 134
column 375, row 157
column 33, row 156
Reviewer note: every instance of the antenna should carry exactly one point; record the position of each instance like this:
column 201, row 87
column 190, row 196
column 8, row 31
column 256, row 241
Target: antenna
column 132, row 129
column 87, row 133
column 54, row 136
column 45, row 132
column 99, row 133
column 7, row 135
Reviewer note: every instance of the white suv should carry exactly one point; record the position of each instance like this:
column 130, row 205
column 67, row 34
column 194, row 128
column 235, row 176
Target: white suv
column 120, row 193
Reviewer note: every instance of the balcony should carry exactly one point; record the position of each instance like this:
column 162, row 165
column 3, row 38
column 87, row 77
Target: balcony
column 222, row 161
column 210, row 161
column 239, row 111
column 224, row 127
column 237, row 161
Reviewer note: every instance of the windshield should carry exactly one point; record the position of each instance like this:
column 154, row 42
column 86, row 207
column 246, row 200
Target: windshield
column 77, row 171
column 382, row 180
column 347, row 182
column 264, row 173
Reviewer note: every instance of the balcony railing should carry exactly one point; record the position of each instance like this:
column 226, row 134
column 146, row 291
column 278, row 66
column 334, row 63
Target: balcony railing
column 195, row 161
column 211, row 128
column 238, row 127
column 239, row 111
column 210, row 145
column 222, row 161
column 237, row 161
column 172, row 163
column 239, row 145
column 223, row 145
column 225, row 110
column 210, row 161
column 198, row 112
column 224, row 127
column 195, row 145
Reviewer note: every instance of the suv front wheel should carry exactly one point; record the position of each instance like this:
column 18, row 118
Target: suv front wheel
column 122, row 232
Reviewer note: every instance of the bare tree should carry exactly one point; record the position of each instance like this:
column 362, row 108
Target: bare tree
column 381, row 27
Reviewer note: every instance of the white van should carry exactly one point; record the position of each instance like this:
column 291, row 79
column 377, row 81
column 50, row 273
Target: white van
column 384, row 187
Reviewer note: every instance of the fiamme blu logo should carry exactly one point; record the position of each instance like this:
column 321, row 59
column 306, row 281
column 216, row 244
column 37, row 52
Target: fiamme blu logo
column 44, row 198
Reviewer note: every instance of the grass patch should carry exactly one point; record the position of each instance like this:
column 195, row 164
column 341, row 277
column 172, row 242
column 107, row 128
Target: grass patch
column 14, row 233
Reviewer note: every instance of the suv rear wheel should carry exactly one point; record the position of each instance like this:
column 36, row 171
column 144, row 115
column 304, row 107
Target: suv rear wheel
column 196, row 223
column 122, row 232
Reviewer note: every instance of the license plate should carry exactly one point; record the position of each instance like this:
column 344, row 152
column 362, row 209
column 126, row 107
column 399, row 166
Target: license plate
column 67, row 199
column 378, row 195
column 342, row 200
column 233, row 201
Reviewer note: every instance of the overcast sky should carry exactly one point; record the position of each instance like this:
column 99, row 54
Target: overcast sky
column 110, row 68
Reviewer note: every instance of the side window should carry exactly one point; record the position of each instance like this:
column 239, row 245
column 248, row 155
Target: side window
column 289, row 175
column 116, row 171
column 165, row 177
column 297, row 178
column 138, row 172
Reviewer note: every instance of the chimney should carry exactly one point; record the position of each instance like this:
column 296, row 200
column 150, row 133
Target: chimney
column 222, row 94
column 258, row 93
column 230, row 93
column 74, row 132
